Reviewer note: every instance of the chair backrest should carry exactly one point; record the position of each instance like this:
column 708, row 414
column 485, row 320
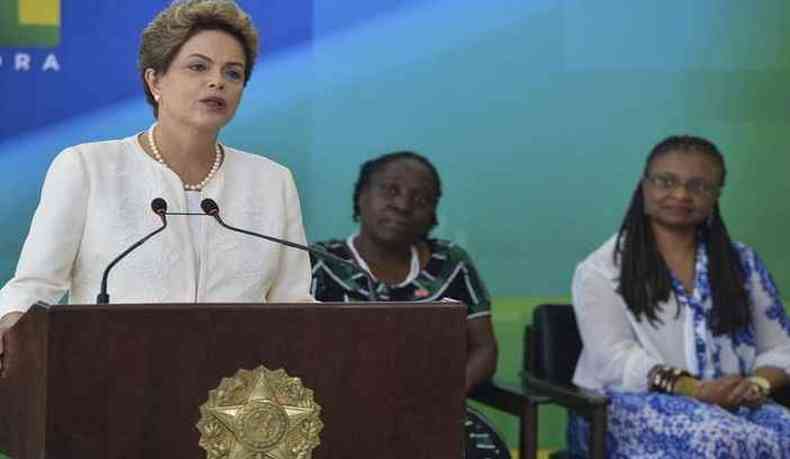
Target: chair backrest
column 552, row 343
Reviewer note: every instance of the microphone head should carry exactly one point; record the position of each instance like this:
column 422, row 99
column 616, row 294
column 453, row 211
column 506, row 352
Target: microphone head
column 159, row 206
column 210, row 207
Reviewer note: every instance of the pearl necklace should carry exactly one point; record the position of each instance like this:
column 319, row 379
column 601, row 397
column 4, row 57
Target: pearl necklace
column 214, row 167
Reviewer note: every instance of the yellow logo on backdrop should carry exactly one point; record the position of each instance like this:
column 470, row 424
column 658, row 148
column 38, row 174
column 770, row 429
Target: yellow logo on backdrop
column 34, row 23
column 39, row 12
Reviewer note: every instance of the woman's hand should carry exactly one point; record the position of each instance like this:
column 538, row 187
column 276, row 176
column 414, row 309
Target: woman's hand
column 730, row 392
column 746, row 393
column 719, row 391
column 6, row 322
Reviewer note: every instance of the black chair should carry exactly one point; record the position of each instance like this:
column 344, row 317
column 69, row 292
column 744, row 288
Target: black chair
column 552, row 346
column 516, row 401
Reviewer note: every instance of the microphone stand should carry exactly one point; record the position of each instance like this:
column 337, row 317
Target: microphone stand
column 212, row 209
column 159, row 206
column 103, row 297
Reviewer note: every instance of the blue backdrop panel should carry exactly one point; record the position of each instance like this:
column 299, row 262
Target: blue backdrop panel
column 94, row 64
column 538, row 113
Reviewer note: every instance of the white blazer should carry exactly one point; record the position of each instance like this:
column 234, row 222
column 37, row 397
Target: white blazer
column 96, row 202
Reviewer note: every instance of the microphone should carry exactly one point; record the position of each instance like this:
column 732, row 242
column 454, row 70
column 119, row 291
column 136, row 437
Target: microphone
column 159, row 206
column 211, row 209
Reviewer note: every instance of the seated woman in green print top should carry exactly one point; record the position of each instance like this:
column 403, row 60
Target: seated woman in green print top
column 395, row 200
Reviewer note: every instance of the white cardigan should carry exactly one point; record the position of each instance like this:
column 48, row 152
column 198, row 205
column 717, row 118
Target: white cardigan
column 618, row 350
column 96, row 202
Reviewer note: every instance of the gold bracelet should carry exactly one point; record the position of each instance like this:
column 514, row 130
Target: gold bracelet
column 686, row 385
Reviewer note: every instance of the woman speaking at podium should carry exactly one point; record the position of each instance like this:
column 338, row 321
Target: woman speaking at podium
column 195, row 59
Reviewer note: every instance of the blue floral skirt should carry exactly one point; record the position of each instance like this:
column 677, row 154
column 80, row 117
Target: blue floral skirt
column 654, row 425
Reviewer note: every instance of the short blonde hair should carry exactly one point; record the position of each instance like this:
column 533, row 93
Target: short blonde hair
column 163, row 38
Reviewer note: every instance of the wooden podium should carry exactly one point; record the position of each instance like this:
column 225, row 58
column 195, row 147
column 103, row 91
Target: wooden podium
column 127, row 381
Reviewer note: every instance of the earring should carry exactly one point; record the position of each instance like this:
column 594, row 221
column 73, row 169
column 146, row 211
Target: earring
column 156, row 98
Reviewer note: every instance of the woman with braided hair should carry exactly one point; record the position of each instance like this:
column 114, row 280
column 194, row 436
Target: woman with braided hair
column 682, row 327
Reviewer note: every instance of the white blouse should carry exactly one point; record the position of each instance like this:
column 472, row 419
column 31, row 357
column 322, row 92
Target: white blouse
column 96, row 202
column 618, row 351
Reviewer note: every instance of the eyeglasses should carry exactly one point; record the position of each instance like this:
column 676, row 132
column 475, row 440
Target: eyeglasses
column 417, row 199
column 696, row 186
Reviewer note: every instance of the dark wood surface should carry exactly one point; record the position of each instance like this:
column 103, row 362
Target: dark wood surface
column 24, row 386
column 125, row 381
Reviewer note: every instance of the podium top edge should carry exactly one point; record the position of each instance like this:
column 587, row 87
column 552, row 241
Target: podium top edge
column 257, row 306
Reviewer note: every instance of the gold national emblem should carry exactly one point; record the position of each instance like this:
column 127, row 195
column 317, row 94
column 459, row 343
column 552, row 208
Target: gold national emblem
column 260, row 414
